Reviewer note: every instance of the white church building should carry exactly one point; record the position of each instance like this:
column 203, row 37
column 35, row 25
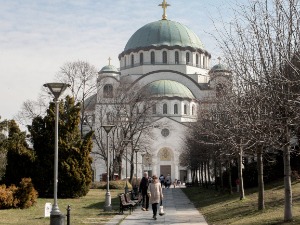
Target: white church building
column 169, row 58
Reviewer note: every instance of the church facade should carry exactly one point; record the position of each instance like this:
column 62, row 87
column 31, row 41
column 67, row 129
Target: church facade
column 169, row 58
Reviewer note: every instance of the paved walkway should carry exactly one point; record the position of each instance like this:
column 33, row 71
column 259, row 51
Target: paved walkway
column 177, row 207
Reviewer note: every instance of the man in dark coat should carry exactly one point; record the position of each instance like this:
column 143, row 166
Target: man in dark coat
column 143, row 189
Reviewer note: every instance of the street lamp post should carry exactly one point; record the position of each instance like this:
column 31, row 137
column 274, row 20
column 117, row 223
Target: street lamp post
column 136, row 180
column 56, row 89
column 143, row 154
column 107, row 206
column 126, row 185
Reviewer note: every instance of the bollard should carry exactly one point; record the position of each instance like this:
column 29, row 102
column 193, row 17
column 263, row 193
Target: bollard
column 68, row 215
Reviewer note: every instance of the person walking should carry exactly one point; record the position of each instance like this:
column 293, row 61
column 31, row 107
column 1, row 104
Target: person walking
column 168, row 181
column 143, row 190
column 162, row 180
column 155, row 194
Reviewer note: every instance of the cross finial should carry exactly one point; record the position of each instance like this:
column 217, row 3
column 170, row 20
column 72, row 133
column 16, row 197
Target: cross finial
column 109, row 59
column 164, row 5
column 219, row 58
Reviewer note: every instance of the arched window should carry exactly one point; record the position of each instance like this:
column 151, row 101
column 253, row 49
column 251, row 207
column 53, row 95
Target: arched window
column 193, row 110
column 184, row 109
column 125, row 61
column 154, row 109
column 197, row 60
column 187, row 58
column 176, row 57
column 165, row 109
column 175, row 109
column 165, row 57
column 152, row 57
column 108, row 91
column 141, row 58
column 203, row 62
column 132, row 60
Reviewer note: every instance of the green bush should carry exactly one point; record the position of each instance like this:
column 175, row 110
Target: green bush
column 26, row 193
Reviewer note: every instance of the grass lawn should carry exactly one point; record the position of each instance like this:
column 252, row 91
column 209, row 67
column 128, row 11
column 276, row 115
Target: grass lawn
column 84, row 210
column 221, row 209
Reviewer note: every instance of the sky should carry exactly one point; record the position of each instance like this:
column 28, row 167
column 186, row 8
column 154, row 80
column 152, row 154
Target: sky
column 38, row 36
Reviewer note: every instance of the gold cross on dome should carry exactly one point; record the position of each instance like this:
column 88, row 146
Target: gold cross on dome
column 164, row 5
column 109, row 59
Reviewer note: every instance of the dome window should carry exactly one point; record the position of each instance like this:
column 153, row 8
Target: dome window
column 184, row 109
column 175, row 109
column 165, row 57
column 152, row 57
column 193, row 110
column 176, row 57
column 165, row 109
column 132, row 60
column 125, row 61
column 197, row 60
column 203, row 62
column 141, row 58
column 187, row 58
column 108, row 91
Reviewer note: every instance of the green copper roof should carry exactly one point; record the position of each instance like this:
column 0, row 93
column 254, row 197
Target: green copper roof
column 218, row 67
column 109, row 69
column 164, row 33
column 169, row 88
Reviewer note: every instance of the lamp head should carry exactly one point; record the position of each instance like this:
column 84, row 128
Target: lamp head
column 108, row 128
column 56, row 88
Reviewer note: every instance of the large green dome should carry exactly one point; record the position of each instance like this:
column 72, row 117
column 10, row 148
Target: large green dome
column 168, row 88
column 163, row 33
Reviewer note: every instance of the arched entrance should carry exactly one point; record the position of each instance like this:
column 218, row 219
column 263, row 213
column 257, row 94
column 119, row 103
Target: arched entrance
column 165, row 156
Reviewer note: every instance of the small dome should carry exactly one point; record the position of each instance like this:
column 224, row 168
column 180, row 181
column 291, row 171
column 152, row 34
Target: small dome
column 219, row 68
column 163, row 33
column 109, row 69
column 169, row 88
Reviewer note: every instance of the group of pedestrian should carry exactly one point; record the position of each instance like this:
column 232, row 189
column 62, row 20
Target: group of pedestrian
column 165, row 181
column 151, row 192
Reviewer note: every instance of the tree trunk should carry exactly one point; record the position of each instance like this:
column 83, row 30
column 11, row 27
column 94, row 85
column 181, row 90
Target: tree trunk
column 200, row 176
column 119, row 159
column 229, row 178
column 288, row 215
column 260, row 174
column 240, row 174
column 215, row 173
column 221, row 177
column 208, row 173
column 205, row 173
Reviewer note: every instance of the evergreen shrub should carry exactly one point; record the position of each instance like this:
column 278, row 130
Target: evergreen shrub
column 26, row 194
column 22, row 197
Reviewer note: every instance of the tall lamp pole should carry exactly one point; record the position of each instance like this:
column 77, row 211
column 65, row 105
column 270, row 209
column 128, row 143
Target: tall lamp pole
column 126, row 185
column 56, row 89
column 136, row 180
column 107, row 206
column 143, row 154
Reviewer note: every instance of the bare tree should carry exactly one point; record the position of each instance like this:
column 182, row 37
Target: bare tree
column 82, row 78
column 262, row 48
column 129, row 109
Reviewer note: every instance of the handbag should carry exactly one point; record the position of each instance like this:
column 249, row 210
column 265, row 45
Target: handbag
column 161, row 209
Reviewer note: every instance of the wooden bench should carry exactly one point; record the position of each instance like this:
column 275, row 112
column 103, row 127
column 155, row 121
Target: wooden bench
column 124, row 205
column 135, row 198
column 129, row 200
